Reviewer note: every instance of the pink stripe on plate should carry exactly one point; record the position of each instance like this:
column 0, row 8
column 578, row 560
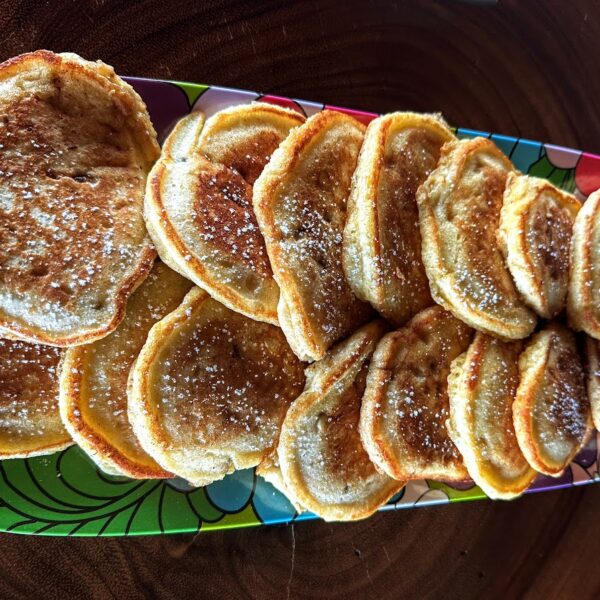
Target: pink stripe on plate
column 281, row 101
column 359, row 115
column 587, row 174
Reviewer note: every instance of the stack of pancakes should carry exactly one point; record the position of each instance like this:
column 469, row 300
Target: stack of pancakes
column 433, row 288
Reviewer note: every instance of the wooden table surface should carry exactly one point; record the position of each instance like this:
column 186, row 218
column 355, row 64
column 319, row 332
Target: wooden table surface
column 521, row 67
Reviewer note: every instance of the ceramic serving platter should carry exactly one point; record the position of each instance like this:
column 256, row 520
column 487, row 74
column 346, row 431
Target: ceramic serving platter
column 65, row 494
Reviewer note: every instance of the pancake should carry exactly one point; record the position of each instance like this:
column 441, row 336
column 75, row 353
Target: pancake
column 551, row 411
column 198, row 204
column 592, row 348
column 405, row 405
column 536, row 224
column 300, row 203
column 270, row 470
column 30, row 424
column 482, row 386
column 382, row 243
column 93, row 399
column 323, row 463
column 459, row 214
column 583, row 302
column 210, row 389
column 77, row 144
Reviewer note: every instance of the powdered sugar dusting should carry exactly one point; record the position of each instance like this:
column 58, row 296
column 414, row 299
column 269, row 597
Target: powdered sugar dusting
column 29, row 416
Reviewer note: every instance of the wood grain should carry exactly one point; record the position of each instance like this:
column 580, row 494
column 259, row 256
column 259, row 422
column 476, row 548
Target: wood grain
column 524, row 68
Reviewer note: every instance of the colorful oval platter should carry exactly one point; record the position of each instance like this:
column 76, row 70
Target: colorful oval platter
column 65, row 494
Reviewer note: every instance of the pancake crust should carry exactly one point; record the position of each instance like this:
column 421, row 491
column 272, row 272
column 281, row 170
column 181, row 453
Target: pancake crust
column 459, row 214
column 592, row 348
column 94, row 379
column 30, row 424
column 536, row 225
column 210, row 389
column 382, row 242
column 300, row 203
column 405, row 406
column 482, row 385
column 198, row 205
column 583, row 303
column 551, row 411
column 323, row 462
column 77, row 144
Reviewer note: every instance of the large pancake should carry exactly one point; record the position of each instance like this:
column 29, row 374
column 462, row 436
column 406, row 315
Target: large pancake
column 459, row 214
column 210, row 389
column 77, row 145
column 405, row 406
column 300, row 203
column 482, row 385
column 536, row 224
column 551, row 411
column 583, row 302
column 93, row 398
column 592, row 348
column 30, row 423
column 198, row 204
column 324, row 466
column 382, row 242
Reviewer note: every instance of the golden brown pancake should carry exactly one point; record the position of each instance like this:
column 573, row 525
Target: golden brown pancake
column 482, row 385
column 300, row 203
column 382, row 242
column 459, row 214
column 405, row 406
column 324, row 466
column 93, row 399
column 77, row 144
column 592, row 348
column 536, row 224
column 244, row 137
column 210, row 389
column 29, row 421
column 583, row 303
column 551, row 411
column 199, row 203
column 270, row 470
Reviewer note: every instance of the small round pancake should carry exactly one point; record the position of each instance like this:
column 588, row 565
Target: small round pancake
column 382, row 243
column 592, row 350
column 94, row 379
column 583, row 302
column 30, row 424
column 300, row 203
column 244, row 137
column 198, row 205
column 482, row 385
column 459, row 214
column 551, row 412
column 77, row 144
column 405, row 406
column 210, row 389
column 323, row 463
column 536, row 225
